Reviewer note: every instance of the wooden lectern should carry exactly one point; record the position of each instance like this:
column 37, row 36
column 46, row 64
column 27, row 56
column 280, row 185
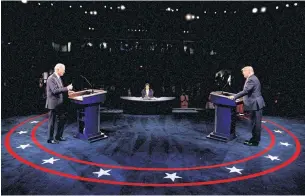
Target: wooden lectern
column 225, row 116
column 88, row 113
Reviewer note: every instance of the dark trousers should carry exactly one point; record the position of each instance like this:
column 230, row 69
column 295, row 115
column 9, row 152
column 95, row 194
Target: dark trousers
column 256, row 124
column 57, row 120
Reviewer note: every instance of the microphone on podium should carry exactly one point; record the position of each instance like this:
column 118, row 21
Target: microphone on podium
column 224, row 86
column 88, row 82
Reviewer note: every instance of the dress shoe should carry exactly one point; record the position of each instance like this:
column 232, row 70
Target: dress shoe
column 52, row 142
column 61, row 139
column 250, row 143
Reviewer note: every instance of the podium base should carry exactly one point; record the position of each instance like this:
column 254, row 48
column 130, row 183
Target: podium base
column 222, row 138
column 91, row 139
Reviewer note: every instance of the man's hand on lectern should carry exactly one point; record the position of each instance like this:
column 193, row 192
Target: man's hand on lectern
column 70, row 87
column 231, row 97
column 70, row 93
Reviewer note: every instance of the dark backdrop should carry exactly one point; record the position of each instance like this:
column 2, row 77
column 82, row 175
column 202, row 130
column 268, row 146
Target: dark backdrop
column 166, row 50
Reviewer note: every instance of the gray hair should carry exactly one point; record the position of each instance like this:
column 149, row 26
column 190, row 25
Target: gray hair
column 58, row 65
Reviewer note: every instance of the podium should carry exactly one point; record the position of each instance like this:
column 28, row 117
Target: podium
column 88, row 113
column 225, row 116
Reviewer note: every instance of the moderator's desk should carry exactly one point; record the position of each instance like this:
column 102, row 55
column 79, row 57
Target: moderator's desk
column 154, row 105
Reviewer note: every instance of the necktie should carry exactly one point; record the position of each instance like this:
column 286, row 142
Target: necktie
column 59, row 82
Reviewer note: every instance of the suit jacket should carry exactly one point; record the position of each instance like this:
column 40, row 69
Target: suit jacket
column 55, row 92
column 251, row 94
column 150, row 93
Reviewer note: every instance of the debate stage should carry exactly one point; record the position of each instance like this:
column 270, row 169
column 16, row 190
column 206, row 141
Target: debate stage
column 153, row 154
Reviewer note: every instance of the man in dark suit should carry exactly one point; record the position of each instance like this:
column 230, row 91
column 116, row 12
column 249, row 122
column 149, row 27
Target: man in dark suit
column 147, row 92
column 54, row 103
column 253, row 102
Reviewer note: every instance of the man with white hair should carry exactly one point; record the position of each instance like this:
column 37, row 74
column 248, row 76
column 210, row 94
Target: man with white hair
column 54, row 103
column 253, row 102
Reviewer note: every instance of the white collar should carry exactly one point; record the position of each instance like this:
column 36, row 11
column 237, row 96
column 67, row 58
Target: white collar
column 250, row 76
column 56, row 74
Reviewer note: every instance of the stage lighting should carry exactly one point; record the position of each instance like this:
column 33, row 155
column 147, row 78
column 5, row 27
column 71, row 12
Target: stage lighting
column 177, row 10
column 91, row 12
column 80, row 6
column 24, row 1
column 89, row 28
column 192, row 51
column 212, row 53
column 197, row 17
column 234, row 12
column 193, row 17
column 277, row 7
column 225, row 11
column 95, row 12
column 287, row 5
column 295, row 4
column 215, row 12
column 92, row 29
column 188, row 17
column 86, row 12
column 104, row 45
column 123, row 7
column 90, row 44
column 39, row 4
column 51, row 4
column 111, row 8
column 263, row 9
column 205, row 12
column 105, row 6
column 168, row 9
column 70, row 6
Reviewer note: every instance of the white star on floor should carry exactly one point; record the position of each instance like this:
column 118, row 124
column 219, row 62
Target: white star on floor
column 234, row 169
column 263, row 121
column 22, row 132
column 102, row 172
column 278, row 131
column 285, row 144
column 272, row 157
column 24, row 146
column 172, row 176
column 34, row 121
column 51, row 160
